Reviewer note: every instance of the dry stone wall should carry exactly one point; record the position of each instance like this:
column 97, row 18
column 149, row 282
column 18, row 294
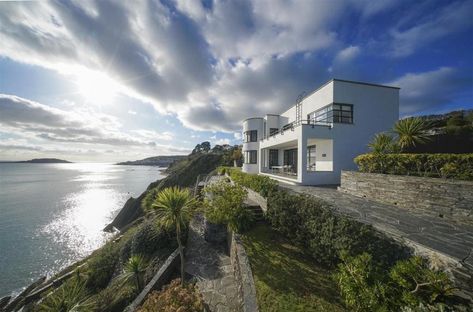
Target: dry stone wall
column 438, row 197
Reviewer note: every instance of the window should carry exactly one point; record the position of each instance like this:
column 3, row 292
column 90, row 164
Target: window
column 311, row 158
column 333, row 113
column 273, row 157
column 251, row 157
column 273, row 131
column 251, row 136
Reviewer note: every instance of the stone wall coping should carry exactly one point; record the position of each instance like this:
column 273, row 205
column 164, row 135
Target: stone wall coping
column 411, row 177
column 159, row 279
column 247, row 287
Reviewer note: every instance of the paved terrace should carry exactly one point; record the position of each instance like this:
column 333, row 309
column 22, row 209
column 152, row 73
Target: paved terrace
column 444, row 236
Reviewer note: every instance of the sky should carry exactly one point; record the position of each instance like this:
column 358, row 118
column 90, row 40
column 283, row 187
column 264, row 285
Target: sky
column 105, row 81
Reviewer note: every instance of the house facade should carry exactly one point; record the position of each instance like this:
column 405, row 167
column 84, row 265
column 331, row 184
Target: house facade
column 311, row 142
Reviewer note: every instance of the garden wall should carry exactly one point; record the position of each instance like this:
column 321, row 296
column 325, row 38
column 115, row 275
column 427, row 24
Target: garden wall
column 435, row 196
column 243, row 274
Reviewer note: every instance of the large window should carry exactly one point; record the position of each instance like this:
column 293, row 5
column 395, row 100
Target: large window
column 251, row 136
column 251, row 157
column 333, row 113
column 273, row 157
column 311, row 158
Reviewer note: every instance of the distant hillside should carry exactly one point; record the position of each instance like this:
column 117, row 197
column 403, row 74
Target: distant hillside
column 40, row 161
column 160, row 161
column 449, row 133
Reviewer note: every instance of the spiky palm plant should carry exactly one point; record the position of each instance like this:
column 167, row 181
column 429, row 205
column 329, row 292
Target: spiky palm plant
column 382, row 143
column 174, row 208
column 72, row 296
column 134, row 270
column 411, row 131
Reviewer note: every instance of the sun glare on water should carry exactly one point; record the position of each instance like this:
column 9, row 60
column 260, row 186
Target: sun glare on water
column 96, row 87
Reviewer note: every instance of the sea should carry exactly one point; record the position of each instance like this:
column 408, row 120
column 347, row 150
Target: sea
column 52, row 215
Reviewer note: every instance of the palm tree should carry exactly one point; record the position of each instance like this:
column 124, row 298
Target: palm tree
column 174, row 208
column 411, row 131
column 134, row 270
column 383, row 143
column 72, row 296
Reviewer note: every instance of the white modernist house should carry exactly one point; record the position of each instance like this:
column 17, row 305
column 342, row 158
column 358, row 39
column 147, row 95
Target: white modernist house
column 311, row 142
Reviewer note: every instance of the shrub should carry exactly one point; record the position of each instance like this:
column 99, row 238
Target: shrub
column 150, row 238
column 102, row 266
column 407, row 285
column 224, row 205
column 458, row 166
column 311, row 223
column 260, row 184
column 72, row 296
column 114, row 298
column 174, row 297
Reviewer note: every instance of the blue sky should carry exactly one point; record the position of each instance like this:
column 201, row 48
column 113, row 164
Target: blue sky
column 114, row 80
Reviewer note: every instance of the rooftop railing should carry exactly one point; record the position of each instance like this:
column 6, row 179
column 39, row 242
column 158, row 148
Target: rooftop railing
column 294, row 124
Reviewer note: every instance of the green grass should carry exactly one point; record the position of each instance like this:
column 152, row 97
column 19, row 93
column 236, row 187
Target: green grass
column 285, row 278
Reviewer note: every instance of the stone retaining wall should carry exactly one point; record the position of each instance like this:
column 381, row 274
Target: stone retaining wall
column 256, row 197
column 160, row 279
column 435, row 196
column 243, row 274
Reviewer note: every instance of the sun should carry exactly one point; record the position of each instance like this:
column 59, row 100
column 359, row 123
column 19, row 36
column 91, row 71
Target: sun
column 96, row 87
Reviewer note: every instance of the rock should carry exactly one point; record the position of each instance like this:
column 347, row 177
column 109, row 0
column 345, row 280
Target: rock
column 18, row 301
column 4, row 301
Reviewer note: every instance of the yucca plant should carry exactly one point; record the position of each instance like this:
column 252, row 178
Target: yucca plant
column 383, row 143
column 134, row 270
column 174, row 208
column 72, row 296
column 411, row 131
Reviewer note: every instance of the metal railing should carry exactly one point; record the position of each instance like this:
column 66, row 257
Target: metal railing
column 294, row 124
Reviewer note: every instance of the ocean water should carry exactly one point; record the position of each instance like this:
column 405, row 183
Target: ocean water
column 53, row 214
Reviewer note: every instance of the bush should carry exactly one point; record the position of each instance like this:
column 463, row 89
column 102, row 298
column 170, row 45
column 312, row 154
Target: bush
column 174, row 297
column 260, row 184
column 311, row 224
column 102, row 266
column 150, row 238
column 457, row 166
column 408, row 284
column 224, row 205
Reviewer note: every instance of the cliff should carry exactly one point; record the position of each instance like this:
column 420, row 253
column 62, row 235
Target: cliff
column 184, row 174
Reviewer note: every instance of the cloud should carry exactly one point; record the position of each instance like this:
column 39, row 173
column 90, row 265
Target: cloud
column 404, row 40
column 211, row 64
column 23, row 116
column 431, row 89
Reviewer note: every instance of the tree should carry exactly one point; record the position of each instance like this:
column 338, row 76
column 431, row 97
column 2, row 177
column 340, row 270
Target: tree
column 383, row 143
column 205, row 146
column 224, row 205
column 237, row 156
column 134, row 270
column 197, row 149
column 411, row 131
column 174, row 208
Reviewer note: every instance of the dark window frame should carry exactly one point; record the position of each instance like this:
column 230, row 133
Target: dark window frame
column 311, row 153
column 251, row 136
column 332, row 113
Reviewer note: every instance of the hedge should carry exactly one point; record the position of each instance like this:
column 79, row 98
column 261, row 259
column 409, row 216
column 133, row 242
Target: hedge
column 261, row 184
column 310, row 223
column 456, row 166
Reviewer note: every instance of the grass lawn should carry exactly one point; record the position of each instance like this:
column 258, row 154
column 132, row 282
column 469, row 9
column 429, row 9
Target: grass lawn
column 285, row 278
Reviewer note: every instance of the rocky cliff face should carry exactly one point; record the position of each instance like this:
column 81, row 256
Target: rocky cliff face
column 184, row 174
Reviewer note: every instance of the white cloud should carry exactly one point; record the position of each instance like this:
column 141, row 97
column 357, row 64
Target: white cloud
column 430, row 89
column 455, row 17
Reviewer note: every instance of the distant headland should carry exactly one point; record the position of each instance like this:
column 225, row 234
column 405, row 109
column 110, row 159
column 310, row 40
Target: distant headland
column 160, row 161
column 39, row 161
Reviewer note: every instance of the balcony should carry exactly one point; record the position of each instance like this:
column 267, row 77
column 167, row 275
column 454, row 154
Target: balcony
column 293, row 125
